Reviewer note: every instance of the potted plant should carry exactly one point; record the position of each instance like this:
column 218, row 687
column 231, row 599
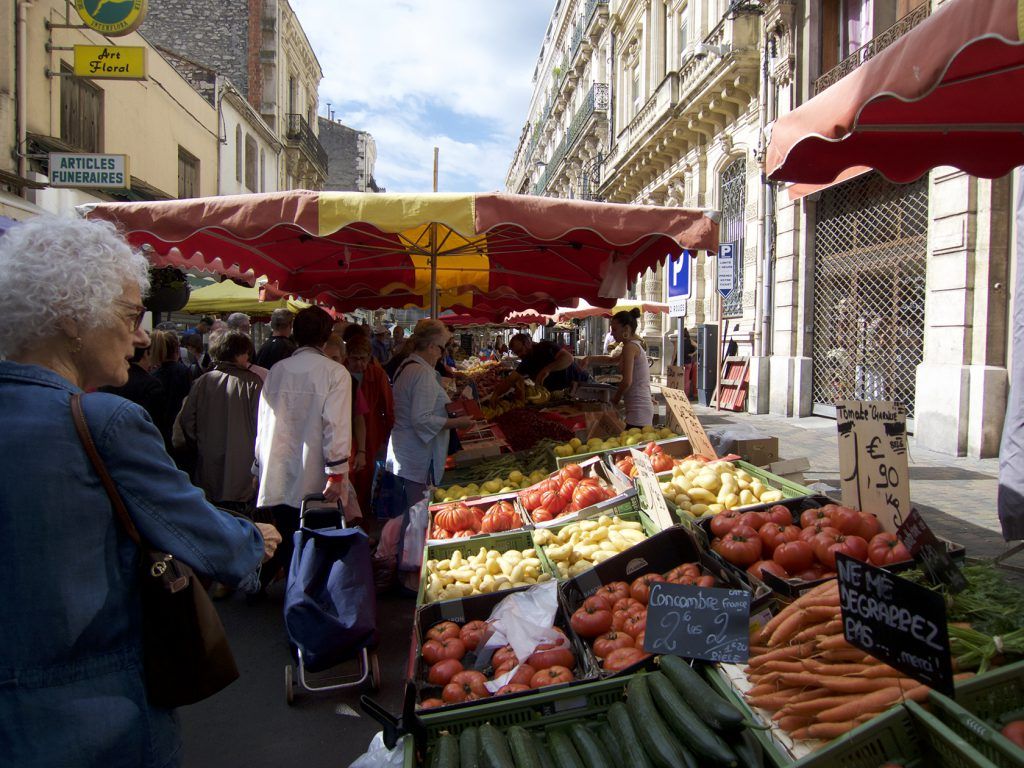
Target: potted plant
column 168, row 289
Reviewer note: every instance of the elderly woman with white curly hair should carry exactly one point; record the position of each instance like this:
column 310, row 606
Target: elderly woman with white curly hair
column 72, row 690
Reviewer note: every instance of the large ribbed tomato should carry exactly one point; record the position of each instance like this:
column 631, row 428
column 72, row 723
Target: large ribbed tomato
column 574, row 471
column 455, row 517
column 587, row 495
column 553, row 501
column 741, row 546
column 501, row 516
column 591, row 621
column 611, row 641
column 886, row 548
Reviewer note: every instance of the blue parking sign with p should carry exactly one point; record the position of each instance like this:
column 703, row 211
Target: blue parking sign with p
column 679, row 283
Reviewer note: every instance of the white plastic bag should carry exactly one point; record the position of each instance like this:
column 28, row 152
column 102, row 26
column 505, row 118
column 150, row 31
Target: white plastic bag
column 379, row 756
column 523, row 620
column 415, row 535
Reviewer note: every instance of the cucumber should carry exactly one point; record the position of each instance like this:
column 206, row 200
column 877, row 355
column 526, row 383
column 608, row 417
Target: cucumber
column 446, row 752
column 661, row 746
column 524, row 751
column 562, row 751
column 710, row 707
column 588, row 747
column 494, row 751
column 607, row 740
column 542, row 751
column 633, row 755
column 748, row 750
column 469, row 748
column 686, row 725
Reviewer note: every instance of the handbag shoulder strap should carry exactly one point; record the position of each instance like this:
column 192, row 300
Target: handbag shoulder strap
column 82, row 427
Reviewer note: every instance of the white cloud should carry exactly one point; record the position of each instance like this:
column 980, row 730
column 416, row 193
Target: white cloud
column 422, row 73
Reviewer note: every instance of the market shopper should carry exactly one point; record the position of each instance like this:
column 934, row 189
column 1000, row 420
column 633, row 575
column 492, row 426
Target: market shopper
column 304, row 431
column 634, row 388
column 279, row 345
column 73, row 691
column 218, row 418
column 370, row 380
column 173, row 376
column 419, row 440
column 142, row 387
column 544, row 362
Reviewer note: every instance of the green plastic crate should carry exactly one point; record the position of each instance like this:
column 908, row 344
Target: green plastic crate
column 576, row 458
column 790, row 489
column 979, row 701
column 718, row 680
column 503, row 542
column 633, row 516
column 905, row 732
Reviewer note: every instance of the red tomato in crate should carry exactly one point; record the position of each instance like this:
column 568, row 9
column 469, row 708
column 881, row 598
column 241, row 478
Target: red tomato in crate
column 549, row 655
column 767, row 565
column 591, row 622
column 780, row 514
column 640, row 589
column 623, row 657
column 468, row 685
column 551, row 500
column 808, row 534
column 826, row 546
column 817, row 515
column 869, row 526
column 443, row 630
column 847, row 520
column 611, row 641
column 472, row 633
column 794, row 556
column 812, row 573
column 635, row 624
column 886, row 549
column 597, row 601
column 741, row 546
column 614, row 590
column 431, row 703
column 575, row 471
column 551, row 676
column 442, row 672
column 627, row 604
column 541, row 515
column 662, row 462
column 503, row 655
column 511, row 688
column 724, row 522
column 450, row 648
column 774, row 534
column 588, row 495
column 753, row 520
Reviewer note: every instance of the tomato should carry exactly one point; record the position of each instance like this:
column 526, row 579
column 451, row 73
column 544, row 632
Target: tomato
column 503, row 655
column 542, row 515
column 640, row 589
column 686, row 569
column 723, row 522
column 551, row 676
column 468, row 685
column 523, row 675
column 593, row 621
column 847, row 520
column 808, row 534
column 450, row 648
column 817, row 515
column 614, row 590
column 1014, row 731
column 511, row 688
column 566, row 491
column 623, row 657
column 472, row 633
column 635, row 624
column 869, row 526
column 812, row 573
column 774, row 534
column 753, row 520
column 597, row 601
column 794, row 556
column 662, row 462
column 705, row 581
column 611, row 641
column 826, row 546
column 769, row 565
column 626, row 603
column 441, row 673
column 575, row 471
column 780, row 514
column 443, row 630
column 431, row 703
column 741, row 546
column 638, row 641
column 886, row 548
column 548, row 655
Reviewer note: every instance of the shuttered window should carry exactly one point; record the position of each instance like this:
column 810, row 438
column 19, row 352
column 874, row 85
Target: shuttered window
column 81, row 113
column 188, row 174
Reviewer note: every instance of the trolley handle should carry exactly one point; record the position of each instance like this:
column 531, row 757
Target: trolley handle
column 335, row 515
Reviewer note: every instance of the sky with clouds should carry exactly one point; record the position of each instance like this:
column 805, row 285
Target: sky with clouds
column 416, row 74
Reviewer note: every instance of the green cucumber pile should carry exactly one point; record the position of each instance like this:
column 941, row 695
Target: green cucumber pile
column 669, row 719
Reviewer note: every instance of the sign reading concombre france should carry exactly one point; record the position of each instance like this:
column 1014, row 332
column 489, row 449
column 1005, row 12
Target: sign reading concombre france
column 89, row 170
column 112, row 17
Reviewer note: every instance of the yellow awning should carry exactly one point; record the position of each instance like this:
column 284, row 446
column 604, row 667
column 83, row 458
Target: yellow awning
column 231, row 297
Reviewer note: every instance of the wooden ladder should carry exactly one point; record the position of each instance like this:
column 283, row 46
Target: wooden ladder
column 734, row 384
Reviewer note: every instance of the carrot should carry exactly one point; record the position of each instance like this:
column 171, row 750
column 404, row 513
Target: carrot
column 840, row 684
column 788, row 652
column 854, row 655
column 780, row 665
column 824, row 730
column 821, row 668
column 787, row 628
column 810, row 708
column 757, row 650
column 875, row 701
column 835, row 642
column 792, row 722
column 808, row 694
column 824, row 628
column 764, row 689
column 803, row 601
column 771, row 702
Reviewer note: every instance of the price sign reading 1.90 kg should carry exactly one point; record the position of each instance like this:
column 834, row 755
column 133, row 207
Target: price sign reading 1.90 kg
column 698, row 622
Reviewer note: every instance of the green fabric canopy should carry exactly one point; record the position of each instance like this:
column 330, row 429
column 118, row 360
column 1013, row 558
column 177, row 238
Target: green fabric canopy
column 231, row 297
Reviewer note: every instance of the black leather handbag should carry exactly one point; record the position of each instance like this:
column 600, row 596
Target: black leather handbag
column 185, row 650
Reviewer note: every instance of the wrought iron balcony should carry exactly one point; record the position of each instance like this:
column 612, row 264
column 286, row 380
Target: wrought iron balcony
column 872, row 48
column 301, row 134
column 597, row 100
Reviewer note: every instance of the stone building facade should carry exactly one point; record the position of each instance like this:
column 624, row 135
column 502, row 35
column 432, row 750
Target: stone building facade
column 351, row 156
column 864, row 290
column 260, row 47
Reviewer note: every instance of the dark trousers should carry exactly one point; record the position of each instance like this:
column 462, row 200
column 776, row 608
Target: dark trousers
column 286, row 520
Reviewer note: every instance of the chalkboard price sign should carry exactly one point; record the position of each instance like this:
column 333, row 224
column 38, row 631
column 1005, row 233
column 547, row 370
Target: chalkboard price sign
column 698, row 622
column 931, row 553
column 896, row 621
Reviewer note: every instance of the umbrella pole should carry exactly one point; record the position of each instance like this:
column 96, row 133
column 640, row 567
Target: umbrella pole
column 433, row 253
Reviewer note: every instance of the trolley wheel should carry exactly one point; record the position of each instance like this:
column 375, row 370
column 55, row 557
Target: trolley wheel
column 374, row 681
column 289, row 685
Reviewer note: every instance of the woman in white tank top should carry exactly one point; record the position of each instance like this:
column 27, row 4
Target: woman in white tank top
column 635, row 387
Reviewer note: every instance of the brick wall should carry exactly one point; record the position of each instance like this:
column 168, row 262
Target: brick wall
column 215, row 35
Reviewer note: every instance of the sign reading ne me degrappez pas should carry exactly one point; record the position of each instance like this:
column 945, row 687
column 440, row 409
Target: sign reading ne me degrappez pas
column 89, row 170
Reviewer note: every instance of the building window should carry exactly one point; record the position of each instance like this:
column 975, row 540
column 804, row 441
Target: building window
column 251, row 154
column 733, row 197
column 684, row 30
column 293, row 95
column 238, row 154
column 81, row 113
column 635, row 89
column 188, row 174
column 263, row 171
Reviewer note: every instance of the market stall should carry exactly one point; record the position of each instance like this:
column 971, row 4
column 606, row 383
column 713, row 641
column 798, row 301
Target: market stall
column 228, row 296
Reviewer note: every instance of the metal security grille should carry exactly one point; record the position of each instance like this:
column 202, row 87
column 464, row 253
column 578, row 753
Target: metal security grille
column 734, row 204
column 869, row 291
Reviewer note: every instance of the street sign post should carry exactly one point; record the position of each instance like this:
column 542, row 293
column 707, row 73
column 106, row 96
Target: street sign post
column 726, row 269
column 679, row 283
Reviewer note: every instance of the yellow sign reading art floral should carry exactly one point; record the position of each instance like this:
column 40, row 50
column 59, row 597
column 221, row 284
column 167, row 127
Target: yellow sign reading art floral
column 112, row 62
column 112, row 17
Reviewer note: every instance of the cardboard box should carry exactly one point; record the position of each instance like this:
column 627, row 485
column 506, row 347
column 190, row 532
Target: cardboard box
column 759, row 451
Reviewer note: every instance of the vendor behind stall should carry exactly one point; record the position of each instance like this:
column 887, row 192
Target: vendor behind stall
column 544, row 362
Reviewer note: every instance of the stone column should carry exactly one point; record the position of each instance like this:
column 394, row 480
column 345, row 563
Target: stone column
column 961, row 385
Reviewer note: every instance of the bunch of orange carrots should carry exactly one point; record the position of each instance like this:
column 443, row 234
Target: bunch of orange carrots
column 816, row 684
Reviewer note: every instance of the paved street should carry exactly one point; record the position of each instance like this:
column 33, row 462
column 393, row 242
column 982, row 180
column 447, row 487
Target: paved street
column 250, row 725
